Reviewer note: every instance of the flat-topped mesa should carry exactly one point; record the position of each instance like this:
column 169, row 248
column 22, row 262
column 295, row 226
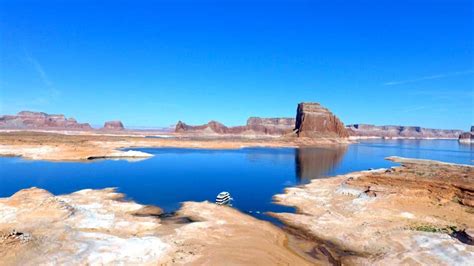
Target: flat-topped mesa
column 277, row 121
column 211, row 127
column 40, row 120
column 255, row 126
column 366, row 130
column 313, row 121
column 467, row 137
column 113, row 125
column 271, row 126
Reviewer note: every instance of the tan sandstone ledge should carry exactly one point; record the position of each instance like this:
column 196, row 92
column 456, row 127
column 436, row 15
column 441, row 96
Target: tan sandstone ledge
column 62, row 147
column 99, row 227
column 407, row 215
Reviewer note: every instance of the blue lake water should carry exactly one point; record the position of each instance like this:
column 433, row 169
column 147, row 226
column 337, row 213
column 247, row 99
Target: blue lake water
column 251, row 175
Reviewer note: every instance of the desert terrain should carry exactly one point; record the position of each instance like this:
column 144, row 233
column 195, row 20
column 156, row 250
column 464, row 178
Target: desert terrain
column 421, row 212
column 418, row 213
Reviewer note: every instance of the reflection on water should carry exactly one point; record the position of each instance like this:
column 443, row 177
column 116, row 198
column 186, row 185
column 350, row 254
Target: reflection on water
column 312, row 163
column 251, row 175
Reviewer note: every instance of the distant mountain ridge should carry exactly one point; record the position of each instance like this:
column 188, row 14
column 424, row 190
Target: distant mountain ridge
column 255, row 125
column 312, row 120
column 44, row 121
column 367, row 130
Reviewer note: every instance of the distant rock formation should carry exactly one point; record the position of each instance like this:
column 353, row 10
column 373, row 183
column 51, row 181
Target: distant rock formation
column 113, row 125
column 368, row 131
column 39, row 120
column 313, row 121
column 255, row 126
column 467, row 137
column 271, row 126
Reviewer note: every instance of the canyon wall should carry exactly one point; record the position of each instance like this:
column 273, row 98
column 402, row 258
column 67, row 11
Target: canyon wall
column 366, row 130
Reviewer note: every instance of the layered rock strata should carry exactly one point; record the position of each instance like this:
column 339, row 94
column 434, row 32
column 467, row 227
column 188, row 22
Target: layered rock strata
column 39, row 120
column 255, row 126
column 368, row 131
column 313, row 121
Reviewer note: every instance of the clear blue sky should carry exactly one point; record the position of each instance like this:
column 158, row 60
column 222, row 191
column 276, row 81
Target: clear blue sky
column 151, row 63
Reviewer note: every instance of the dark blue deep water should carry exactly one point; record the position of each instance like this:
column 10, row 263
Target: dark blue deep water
column 251, row 175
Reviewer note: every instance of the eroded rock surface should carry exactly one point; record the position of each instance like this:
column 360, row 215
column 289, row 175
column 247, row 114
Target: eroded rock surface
column 85, row 227
column 39, row 120
column 367, row 131
column 314, row 121
column 99, row 227
column 402, row 215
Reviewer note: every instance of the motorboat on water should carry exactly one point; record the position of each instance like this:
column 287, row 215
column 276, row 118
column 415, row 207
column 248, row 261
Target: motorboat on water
column 223, row 198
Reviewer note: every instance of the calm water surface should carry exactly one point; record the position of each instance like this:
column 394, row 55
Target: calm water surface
column 251, row 175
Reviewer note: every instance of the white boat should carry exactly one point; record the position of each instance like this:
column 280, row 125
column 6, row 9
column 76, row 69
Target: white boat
column 223, row 198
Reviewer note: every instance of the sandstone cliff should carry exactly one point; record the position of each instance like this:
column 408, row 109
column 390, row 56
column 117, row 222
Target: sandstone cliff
column 113, row 125
column 271, row 126
column 39, row 120
column 313, row 121
column 467, row 137
column 255, row 126
column 365, row 130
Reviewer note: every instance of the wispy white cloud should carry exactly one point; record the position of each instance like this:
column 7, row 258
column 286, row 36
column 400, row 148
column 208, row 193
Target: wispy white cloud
column 439, row 76
column 51, row 91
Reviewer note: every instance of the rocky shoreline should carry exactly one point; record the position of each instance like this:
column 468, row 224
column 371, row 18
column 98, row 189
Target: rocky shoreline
column 100, row 227
column 410, row 214
column 418, row 213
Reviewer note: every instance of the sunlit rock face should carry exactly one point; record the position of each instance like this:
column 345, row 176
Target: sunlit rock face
column 313, row 121
column 366, row 130
column 39, row 120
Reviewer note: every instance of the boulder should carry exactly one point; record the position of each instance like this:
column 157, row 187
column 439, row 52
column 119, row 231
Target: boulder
column 313, row 120
column 113, row 125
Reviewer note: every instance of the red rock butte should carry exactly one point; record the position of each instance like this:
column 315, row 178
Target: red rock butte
column 314, row 120
column 113, row 125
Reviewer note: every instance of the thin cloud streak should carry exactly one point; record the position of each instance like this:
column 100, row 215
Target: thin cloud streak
column 52, row 92
column 439, row 76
